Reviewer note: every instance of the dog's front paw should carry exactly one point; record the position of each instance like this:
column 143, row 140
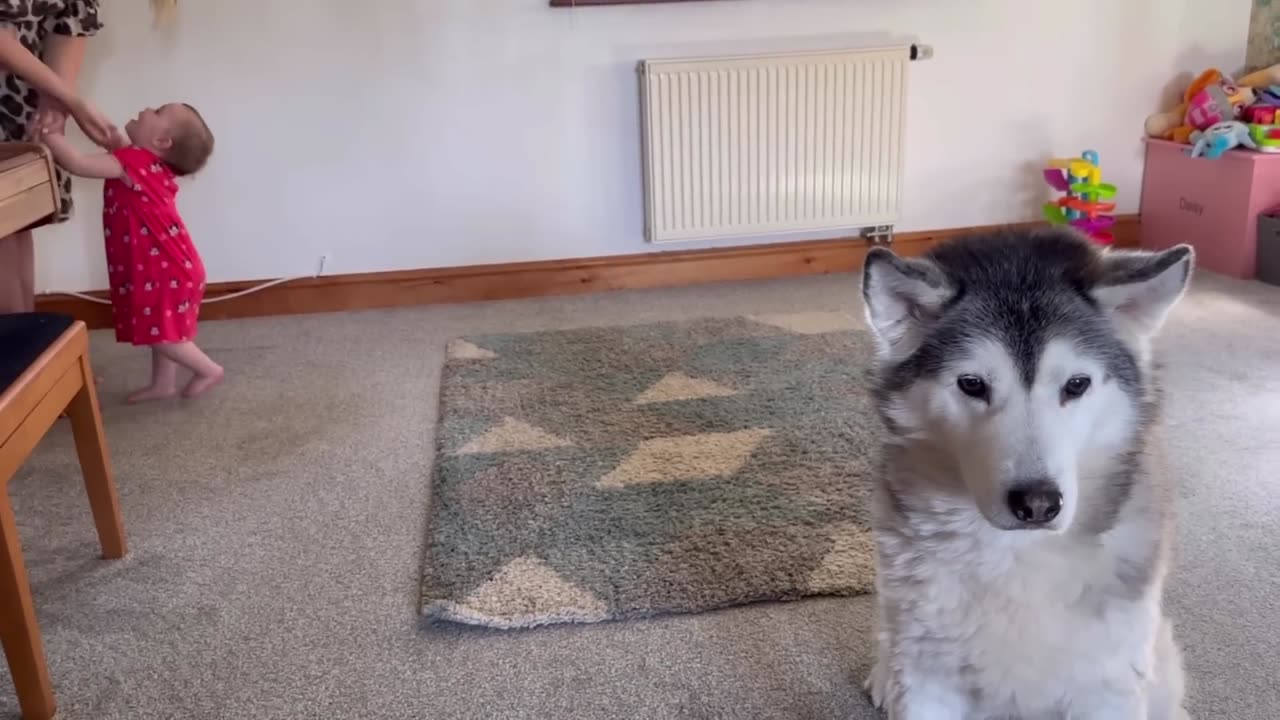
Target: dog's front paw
column 877, row 685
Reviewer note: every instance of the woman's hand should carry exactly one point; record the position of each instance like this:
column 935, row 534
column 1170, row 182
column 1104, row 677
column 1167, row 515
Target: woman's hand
column 94, row 124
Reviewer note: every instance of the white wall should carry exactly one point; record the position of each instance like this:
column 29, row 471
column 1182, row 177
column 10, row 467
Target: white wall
column 401, row 134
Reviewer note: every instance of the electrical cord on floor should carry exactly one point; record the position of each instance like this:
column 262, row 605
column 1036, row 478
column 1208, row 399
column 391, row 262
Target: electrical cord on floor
column 219, row 298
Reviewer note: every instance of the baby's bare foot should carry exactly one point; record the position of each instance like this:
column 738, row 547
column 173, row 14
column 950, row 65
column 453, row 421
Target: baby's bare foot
column 150, row 393
column 201, row 383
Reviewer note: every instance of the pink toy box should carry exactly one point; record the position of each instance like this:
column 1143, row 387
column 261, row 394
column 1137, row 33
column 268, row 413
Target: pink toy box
column 1212, row 205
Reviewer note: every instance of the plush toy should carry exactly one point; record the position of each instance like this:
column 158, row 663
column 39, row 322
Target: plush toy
column 1163, row 124
column 1219, row 138
column 1209, row 107
column 1210, row 99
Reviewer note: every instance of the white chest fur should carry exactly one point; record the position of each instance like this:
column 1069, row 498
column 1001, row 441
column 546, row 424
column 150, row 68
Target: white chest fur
column 1011, row 623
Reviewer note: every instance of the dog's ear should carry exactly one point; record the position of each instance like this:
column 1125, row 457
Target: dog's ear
column 901, row 296
column 1138, row 288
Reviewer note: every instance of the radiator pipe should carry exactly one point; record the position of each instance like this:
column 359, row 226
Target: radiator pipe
column 921, row 52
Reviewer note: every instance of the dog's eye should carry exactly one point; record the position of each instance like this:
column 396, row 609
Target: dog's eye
column 973, row 386
column 1076, row 387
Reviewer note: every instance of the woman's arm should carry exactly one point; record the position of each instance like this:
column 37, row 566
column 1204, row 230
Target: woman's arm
column 97, row 165
column 18, row 60
column 64, row 54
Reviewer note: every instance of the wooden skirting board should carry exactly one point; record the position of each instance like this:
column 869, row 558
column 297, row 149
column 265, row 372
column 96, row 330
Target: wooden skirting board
column 333, row 293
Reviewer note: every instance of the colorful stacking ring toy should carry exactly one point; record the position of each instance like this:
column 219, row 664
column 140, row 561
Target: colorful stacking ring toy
column 1081, row 206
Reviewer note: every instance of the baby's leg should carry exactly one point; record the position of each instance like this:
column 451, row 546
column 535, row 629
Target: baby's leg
column 207, row 373
column 164, row 379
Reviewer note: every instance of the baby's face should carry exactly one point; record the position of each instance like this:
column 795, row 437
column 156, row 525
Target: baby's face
column 154, row 128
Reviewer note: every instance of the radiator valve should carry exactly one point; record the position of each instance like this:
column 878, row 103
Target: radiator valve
column 921, row 52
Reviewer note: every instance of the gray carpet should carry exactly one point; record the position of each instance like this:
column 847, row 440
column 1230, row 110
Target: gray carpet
column 276, row 533
column 620, row 472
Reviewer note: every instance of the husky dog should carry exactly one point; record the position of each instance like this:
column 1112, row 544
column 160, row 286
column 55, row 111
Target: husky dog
column 1022, row 524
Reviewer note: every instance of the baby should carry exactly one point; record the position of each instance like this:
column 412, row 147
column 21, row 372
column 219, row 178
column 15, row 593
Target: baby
column 156, row 276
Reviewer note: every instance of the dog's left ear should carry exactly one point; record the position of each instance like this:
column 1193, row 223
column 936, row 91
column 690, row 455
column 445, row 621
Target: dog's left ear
column 1138, row 288
column 902, row 297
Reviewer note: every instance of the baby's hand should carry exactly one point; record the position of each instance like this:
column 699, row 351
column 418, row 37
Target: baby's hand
column 49, row 131
column 50, row 117
column 118, row 139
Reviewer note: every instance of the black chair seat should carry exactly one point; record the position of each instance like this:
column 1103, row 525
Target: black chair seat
column 23, row 337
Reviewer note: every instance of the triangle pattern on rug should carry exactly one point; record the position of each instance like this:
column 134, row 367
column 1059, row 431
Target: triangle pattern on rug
column 814, row 322
column 512, row 435
column 527, row 586
column 849, row 565
column 459, row 349
column 678, row 386
column 672, row 459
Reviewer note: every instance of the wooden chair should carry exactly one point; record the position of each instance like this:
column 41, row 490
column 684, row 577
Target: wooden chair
column 44, row 372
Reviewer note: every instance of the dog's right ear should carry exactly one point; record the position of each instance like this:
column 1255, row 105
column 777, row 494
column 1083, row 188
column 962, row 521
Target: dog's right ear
column 902, row 296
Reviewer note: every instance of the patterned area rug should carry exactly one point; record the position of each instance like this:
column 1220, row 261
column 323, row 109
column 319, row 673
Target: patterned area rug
column 622, row 472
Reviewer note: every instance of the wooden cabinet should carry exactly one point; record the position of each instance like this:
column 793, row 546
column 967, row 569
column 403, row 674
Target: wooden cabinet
column 28, row 186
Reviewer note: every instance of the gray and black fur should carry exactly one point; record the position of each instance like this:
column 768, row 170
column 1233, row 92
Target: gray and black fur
column 1021, row 290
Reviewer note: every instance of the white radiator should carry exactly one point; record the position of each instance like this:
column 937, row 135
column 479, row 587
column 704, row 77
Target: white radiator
column 742, row 146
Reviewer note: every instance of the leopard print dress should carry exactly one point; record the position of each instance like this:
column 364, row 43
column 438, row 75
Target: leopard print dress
column 34, row 21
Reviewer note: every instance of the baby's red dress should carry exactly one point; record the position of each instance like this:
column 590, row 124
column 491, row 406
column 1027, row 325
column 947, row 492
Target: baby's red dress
column 156, row 276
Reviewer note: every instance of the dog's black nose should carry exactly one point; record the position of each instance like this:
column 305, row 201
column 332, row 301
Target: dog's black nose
column 1035, row 503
